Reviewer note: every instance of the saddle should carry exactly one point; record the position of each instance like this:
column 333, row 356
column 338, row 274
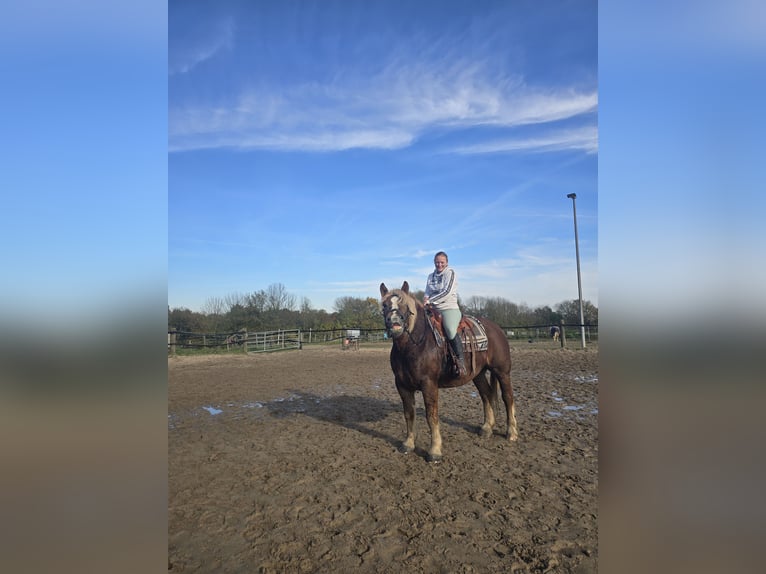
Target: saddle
column 471, row 331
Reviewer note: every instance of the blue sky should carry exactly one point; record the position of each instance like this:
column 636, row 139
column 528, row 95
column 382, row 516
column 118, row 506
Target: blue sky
column 83, row 161
column 332, row 146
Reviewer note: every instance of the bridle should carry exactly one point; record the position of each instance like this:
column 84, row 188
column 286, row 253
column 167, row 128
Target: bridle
column 406, row 322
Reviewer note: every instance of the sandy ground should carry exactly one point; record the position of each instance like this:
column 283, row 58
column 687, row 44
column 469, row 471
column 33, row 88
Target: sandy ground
column 288, row 462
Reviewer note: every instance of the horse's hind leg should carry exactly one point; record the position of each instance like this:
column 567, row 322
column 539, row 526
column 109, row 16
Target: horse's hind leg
column 488, row 396
column 504, row 380
column 408, row 403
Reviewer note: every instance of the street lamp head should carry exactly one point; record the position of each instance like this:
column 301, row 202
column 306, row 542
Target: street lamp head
column 571, row 195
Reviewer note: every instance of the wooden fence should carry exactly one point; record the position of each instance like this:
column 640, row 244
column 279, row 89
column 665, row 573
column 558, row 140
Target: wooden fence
column 248, row 342
column 265, row 341
column 272, row 341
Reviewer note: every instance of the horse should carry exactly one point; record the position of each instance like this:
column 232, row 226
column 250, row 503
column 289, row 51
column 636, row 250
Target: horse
column 420, row 363
column 555, row 333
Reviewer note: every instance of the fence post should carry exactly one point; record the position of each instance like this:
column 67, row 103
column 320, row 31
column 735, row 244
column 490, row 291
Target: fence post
column 563, row 335
column 172, row 341
column 244, row 339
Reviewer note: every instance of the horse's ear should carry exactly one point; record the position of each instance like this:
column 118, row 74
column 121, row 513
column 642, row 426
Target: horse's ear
column 383, row 289
column 406, row 287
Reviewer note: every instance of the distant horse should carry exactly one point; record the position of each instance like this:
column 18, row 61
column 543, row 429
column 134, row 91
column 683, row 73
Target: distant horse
column 420, row 363
column 555, row 333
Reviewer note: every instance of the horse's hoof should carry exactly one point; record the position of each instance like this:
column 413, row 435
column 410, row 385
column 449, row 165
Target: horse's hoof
column 485, row 432
column 434, row 458
column 405, row 449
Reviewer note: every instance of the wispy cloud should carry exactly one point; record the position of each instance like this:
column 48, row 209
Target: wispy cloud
column 584, row 139
column 391, row 110
column 506, row 268
column 185, row 58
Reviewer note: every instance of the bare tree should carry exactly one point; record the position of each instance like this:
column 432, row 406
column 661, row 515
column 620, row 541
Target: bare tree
column 278, row 299
column 213, row 309
column 257, row 301
column 233, row 299
column 305, row 305
column 214, row 306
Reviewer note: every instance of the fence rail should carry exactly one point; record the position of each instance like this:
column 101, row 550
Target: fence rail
column 272, row 341
column 265, row 341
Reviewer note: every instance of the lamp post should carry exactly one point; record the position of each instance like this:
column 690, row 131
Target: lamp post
column 573, row 196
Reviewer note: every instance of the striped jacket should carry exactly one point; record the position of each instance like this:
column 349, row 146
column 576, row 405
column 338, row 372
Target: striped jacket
column 441, row 289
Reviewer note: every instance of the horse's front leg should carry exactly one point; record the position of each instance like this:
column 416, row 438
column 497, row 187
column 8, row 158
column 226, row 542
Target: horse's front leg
column 431, row 400
column 408, row 403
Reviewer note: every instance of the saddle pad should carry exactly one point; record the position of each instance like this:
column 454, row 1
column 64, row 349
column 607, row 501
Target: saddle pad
column 473, row 334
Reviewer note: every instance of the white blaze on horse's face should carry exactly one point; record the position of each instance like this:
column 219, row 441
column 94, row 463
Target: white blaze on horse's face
column 394, row 318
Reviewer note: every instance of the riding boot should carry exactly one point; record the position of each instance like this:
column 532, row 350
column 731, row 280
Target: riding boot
column 457, row 347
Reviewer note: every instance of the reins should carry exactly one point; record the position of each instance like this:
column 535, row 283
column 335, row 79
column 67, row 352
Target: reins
column 425, row 330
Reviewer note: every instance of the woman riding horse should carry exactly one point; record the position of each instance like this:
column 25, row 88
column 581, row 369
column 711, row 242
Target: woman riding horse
column 441, row 293
column 419, row 364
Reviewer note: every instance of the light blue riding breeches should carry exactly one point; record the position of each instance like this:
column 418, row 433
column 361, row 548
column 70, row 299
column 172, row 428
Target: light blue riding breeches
column 450, row 321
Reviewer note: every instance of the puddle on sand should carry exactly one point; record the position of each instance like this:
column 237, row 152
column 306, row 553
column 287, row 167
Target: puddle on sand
column 255, row 405
column 569, row 408
column 251, row 405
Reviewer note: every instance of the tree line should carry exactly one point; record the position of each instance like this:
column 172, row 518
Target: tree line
column 274, row 308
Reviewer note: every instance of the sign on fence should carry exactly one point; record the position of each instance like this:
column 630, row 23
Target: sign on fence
column 272, row 341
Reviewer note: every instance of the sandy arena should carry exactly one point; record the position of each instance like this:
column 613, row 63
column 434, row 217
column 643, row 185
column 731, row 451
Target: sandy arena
column 289, row 462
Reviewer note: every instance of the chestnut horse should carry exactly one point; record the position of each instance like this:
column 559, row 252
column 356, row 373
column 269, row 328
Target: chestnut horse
column 420, row 364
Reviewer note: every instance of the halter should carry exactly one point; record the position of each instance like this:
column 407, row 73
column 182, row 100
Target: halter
column 425, row 331
column 406, row 316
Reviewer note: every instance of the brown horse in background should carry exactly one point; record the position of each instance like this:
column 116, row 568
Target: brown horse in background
column 420, row 364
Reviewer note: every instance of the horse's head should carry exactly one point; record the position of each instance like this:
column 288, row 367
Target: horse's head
column 399, row 309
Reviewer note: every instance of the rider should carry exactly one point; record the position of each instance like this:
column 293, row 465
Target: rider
column 441, row 293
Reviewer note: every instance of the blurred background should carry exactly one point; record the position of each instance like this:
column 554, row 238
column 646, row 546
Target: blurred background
column 83, row 173
column 681, row 182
